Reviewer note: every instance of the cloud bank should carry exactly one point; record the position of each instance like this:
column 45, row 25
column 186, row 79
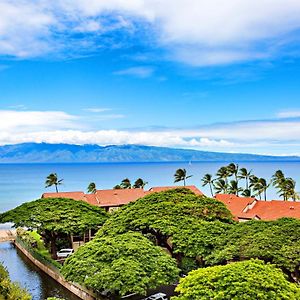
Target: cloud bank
column 278, row 136
column 196, row 32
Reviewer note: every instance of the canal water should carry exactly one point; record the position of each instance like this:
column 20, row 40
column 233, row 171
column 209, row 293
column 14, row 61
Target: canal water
column 21, row 270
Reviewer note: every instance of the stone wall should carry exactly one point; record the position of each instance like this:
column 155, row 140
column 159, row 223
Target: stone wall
column 76, row 289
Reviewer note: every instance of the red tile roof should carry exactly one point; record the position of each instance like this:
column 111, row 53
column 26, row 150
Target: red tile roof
column 250, row 208
column 234, row 203
column 114, row 197
column 275, row 209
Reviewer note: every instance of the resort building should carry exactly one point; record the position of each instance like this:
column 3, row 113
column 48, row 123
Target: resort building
column 114, row 198
column 244, row 209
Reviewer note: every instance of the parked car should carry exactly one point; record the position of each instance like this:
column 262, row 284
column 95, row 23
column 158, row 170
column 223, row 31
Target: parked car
column 158, row 296
column 64, row 253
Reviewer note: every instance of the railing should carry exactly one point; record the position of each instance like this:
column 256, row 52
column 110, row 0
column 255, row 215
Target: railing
column 50, row 263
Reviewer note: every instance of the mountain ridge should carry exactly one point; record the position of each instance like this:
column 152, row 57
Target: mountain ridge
column 70, row 153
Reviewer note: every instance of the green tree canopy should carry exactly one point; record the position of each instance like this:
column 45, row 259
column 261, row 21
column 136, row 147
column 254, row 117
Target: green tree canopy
column 163, row 211
column 10, row 290
column 272, row 241
column 54, row 216
column 121, row 264
column 199, row 239
column 245, row 280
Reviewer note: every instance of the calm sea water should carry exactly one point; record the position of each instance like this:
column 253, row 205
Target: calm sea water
column 24, row 182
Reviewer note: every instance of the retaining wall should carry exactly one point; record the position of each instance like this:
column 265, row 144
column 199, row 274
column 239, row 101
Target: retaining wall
column 76, row 289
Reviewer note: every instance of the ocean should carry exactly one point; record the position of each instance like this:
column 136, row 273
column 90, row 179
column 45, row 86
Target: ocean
column 25, row 182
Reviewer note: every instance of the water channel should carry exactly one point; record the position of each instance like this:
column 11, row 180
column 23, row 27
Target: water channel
column 22, row 270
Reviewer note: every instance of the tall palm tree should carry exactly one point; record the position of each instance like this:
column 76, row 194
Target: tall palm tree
column 223, row 173
column 180, row 175
column 52, row 179
column 139, row 183
column 245, row 174
column 287, row 189
column 125, row 184
column 92, row 189
column 208, row 180
column 278, row 178
column 220, row 186
column 233, row 170
column 260, row 187
column 234, row 188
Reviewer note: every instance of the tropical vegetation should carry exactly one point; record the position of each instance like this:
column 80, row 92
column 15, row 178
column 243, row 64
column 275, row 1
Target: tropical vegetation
column 10, row 290
column 52, row 179
column 121, row 264
column 126, row 184
column 56, row 218
column 232, row 179
column 252, row 279
column 181, row 175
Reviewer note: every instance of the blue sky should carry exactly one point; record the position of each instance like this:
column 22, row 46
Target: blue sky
column 190, row 74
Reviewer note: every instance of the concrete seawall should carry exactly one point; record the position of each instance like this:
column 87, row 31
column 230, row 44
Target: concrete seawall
column 76, row 289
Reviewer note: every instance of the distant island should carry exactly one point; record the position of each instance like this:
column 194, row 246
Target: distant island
column 66, row 153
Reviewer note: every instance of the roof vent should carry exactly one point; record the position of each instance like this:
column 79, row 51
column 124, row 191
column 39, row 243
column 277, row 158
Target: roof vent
column 292, row 207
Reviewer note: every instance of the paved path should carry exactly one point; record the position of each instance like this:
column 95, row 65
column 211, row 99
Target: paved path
column 7, row 235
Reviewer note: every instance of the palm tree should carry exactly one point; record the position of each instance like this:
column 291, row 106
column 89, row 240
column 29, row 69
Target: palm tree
column 260, row 186
column 139, row 183
column 234, row 188
column 223, row 173
column 125, row 184
column 52, row 179
column 92, row 188
column 207, row 179
column 180, row 175
column 246, row 193
column 244, row 174
column 220, row 186
column 287, row 189
column 233, row 170
column 278, row 178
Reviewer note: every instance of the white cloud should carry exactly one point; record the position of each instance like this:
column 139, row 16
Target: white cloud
column 15, row 121
column 289, row 114
column 140, row 72
column 197, row 32
column 270, row 136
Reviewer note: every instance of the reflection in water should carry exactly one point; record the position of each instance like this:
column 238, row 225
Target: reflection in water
column 22, row 270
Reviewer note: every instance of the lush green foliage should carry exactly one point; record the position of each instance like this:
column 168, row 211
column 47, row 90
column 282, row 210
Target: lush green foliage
column 228, row 179
column 53, row 217
column 56, row 215
column 10, row 290
column 245, row 280
column 199, row 239
column 166, row 212
column 274, row 241
column 121, row 264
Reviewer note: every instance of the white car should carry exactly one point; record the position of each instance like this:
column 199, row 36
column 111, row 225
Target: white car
column 64, row 253
column 158, row 296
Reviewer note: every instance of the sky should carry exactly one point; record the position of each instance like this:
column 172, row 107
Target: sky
column 198, row 74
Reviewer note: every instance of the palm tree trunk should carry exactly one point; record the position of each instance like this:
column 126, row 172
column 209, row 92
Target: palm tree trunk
column 183, row 181
column 212, row 194
column 56, row 188
column 247, row 183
